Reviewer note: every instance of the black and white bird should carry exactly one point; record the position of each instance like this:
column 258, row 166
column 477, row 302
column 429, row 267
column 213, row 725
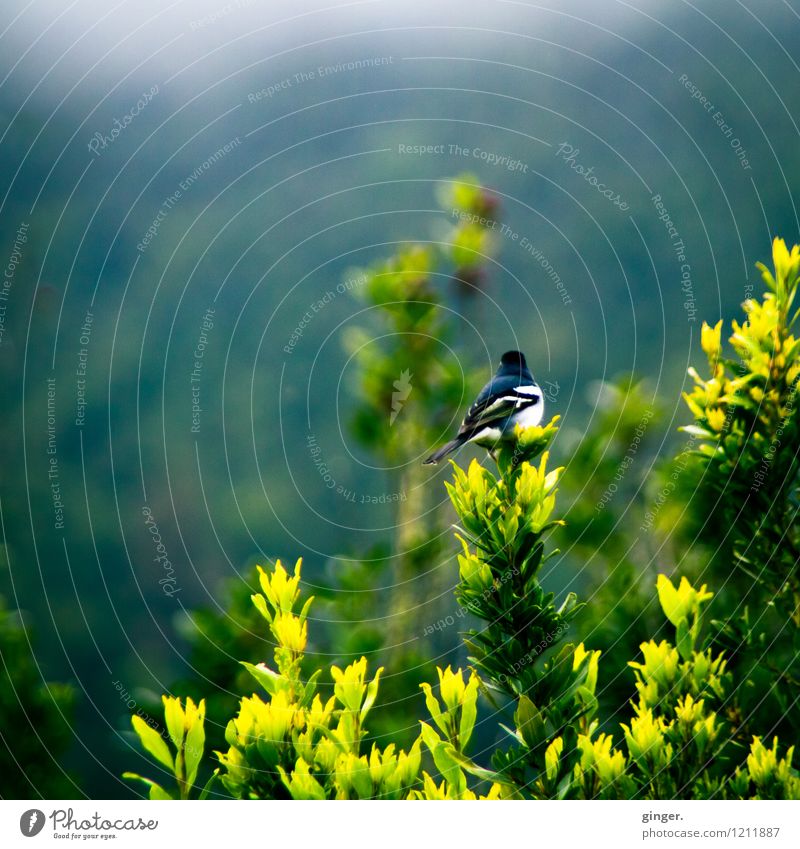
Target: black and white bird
column 512, row 397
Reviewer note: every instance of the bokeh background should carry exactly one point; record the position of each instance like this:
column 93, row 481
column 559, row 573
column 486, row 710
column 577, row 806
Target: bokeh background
column 189, row 192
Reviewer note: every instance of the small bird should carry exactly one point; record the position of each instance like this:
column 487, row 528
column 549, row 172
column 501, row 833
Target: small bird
column 512, row 397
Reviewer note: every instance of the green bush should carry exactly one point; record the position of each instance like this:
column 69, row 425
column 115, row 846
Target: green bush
column 35, row 719
column 693, row 728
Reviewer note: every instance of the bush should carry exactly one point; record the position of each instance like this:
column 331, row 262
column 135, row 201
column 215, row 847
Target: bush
column 693, row 728
column 35, row 718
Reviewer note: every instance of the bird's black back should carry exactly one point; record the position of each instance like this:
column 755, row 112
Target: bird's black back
column 513, row 372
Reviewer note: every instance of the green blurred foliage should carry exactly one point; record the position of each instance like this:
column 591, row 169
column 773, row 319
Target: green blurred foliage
column 35, row 719
column 743, row 471
column 144, row 415
column 605, row 486
column 692, row 728
column 406, row 391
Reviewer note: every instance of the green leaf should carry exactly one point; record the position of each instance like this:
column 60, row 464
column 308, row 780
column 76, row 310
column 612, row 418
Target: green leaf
column 265, row 676
column 372, row 694
column 310, row 688
column 530, row 723
column 260, row 604
column 696, row 430
column 478, row 771
column 305, row 609
column 157, row 792
column 444, row 758
column 193, row 751
column 684, row 641
column 433, row 708
column 429, row 736
column 303, row 785
column 153, row 742
column 333, row 737
column 207, row 788
column 511, row 732
column 174, row 718
column 670, row 599
column 469, row 712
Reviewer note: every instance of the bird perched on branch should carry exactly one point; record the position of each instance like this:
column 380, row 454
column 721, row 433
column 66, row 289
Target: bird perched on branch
column 512, row 397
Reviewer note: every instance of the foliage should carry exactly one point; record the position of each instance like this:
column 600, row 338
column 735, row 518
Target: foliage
column 503, row 522
column 35, row 718
column 746, row 468
column 406, row 387
column 185, row 726
column 684, row 735
column 675, row 744
column 408, row 294
column 611, row 559
column 297, row 744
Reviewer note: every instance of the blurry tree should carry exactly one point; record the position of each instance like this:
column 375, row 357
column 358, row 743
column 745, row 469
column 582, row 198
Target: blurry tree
column 408, row 389
column 604, row 484
column 407, row 392
column 35, row 719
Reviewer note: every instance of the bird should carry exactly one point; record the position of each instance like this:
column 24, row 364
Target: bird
column 512, row 397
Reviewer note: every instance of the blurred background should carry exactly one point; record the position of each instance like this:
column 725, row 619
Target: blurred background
column 193, row 195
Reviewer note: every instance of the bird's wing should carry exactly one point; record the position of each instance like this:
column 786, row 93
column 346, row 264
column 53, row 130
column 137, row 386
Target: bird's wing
column 501, row 397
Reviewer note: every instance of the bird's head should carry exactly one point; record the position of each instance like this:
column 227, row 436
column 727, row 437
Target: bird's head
column 512, row 364
column 513, row 358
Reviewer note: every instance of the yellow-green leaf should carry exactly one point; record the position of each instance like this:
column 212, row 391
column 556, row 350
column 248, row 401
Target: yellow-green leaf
column 153, row 742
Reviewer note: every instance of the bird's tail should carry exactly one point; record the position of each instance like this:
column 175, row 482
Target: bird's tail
column 443, row 451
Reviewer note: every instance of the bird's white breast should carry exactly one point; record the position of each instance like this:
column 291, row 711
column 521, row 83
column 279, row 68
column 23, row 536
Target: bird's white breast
column 529, row 416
